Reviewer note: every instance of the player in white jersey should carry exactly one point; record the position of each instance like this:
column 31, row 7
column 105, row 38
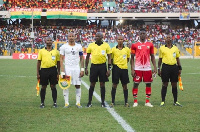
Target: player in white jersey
column 72, row 54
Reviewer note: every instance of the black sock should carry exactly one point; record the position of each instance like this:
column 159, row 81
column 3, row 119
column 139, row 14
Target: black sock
column 163, row 93
column 103, row 91
column 113, row 92
column 126, row 96
column 175, row 93
column 91, row 90
column 42, row 95
column 54, row 94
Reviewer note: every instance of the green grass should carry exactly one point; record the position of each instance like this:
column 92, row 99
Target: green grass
column 19, row 105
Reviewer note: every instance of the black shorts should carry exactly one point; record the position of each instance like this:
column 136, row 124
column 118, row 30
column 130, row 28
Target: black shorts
column 98, row 71
column 169, row 72
column 119, row 74
column 48, row 75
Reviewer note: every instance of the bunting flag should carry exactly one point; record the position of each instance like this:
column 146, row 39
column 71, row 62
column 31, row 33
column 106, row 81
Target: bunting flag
column 67, row 14
column 25, row 13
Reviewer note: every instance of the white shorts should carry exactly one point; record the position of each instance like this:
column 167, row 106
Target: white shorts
column 75, row 75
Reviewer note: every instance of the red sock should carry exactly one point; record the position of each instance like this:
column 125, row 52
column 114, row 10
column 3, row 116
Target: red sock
column 148, row 94
column 135, row 92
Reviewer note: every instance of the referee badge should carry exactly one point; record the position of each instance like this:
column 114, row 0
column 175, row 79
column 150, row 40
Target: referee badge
column 174, row 54
column 124, row 56
column 64, row 83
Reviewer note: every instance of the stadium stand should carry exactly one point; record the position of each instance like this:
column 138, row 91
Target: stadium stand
column 155, row 6
column 15, row 38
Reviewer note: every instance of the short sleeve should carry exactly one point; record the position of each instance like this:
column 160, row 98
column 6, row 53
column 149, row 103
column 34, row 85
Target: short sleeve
column 89, row 49
column 62, row 50
column 128, row 52
column 160, row 53
column 151, row 49
column 58, row 56
column 39, row 55
column 132, row 49
column 108, row 50
column 177, row 53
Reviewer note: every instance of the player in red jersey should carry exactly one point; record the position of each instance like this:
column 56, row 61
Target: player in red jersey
column 141, row 66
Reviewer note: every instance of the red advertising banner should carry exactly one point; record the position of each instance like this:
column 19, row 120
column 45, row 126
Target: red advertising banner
column 25, row 56
column 22, row 56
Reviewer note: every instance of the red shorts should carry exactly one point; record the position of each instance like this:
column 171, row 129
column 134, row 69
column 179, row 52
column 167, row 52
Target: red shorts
column 145, row 76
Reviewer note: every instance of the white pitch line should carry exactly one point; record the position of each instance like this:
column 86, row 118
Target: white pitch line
column 116, row 116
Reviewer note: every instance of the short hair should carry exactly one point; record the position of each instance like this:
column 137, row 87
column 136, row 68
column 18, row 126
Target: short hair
column 100, row 34
column 48, row 37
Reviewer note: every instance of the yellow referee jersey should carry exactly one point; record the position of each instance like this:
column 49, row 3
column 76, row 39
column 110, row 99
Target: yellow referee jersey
column 99, row 53
column 120, row 57
column 48, row 58
column 169, row 55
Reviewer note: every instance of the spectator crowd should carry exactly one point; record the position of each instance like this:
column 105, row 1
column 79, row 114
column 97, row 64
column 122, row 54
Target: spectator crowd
column 138, row 6
column 17, row 37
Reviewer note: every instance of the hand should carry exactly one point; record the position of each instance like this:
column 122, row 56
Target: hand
column 62, row 74
column 154, row 73
column 57, row 77
column 133, row 73
column 86, row 71
column 108, row 73
column 38, row 76
column 81, row 73
column 159, row 72
column 179, row 72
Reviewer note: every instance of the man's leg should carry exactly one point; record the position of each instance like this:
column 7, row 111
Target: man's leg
column 125, row 90
column 42, row 95
column 135, row 92
column 91, row 90
column 66, row 97
column 113, row 92
column 54, row 95
column 78, row 96
column 103, row 92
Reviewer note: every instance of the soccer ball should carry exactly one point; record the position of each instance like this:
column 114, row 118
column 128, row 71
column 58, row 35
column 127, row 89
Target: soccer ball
column 64, row 84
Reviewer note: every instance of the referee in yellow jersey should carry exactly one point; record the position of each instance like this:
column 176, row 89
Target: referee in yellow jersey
column 171, row 67
column 100, row 51
column 48, row 59
column 120, row 58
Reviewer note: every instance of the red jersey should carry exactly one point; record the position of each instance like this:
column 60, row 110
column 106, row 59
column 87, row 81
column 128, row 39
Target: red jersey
column 142, row 52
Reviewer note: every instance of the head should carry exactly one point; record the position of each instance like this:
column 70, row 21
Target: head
column 120, row 39
column 99, row 37
column 71, row 37
column 142, row 35
column 168, row 39
column 49, row 41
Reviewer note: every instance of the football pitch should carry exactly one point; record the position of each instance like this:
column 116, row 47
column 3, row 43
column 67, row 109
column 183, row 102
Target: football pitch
column 20, row 112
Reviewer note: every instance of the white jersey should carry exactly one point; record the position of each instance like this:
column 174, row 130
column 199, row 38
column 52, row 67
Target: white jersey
column 71, row 54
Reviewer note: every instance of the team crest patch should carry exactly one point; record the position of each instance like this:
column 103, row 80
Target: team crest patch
column 148, row 47
column 64, row 83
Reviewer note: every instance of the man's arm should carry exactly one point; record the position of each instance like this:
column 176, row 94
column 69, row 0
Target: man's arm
column 38, row 69
column 86, row 63
column 109, row 65
column 132, row 65
column 61, row 63
column 82, row 66
column 62, row 66
column 153, row 60
column 58, row 69
column 179, row 65
column 159, row 65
